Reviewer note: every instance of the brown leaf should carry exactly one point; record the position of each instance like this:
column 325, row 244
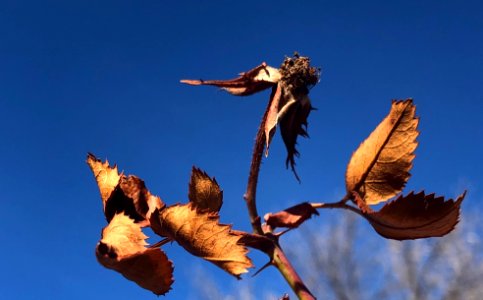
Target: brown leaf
column 121, row 193
column 107, row 177
column 253, row 81
column 379, row 169
column 416, row 216
column 123, row 248
column 202, row 235
column 294, row 124
column 204, row 192
column 291, row 217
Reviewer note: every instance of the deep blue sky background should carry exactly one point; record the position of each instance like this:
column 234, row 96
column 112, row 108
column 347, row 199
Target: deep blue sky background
column 103, row 76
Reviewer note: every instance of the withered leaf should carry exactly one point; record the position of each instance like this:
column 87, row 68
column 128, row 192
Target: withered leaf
column 204, row 192
column 416, row 216
column 291, row 217
column 123, row 248
column 202, row 235
column 121, row 193
column 293, row 125
column 107, row 177
column 379, row 169
column 253, row 81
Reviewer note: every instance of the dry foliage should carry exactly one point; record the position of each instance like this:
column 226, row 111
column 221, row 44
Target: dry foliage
column 128, row 206
column 416, row 216
column 202, row 235
column 378, row 171
column 289, row 102
column 379, row 168
column 123, row 249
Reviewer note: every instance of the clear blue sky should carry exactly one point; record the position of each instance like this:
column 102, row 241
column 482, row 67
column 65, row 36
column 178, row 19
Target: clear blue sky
column 103, row 76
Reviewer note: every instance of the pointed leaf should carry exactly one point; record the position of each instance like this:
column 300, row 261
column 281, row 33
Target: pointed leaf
column 204, row 192
column 202, row 235
column 253, row 81
column 416, row 216
column 379, row 169
column 291, row 217
column 107, row 177
column 277, row 102
column 293, row 124
column 123, row 248
column 121, row 193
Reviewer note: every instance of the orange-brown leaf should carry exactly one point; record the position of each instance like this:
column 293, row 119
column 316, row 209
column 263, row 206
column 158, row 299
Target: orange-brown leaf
column 416, row 216
column 121, row 193
column 291, row 217
column 379, row 169
column 123, row 248
column 107, row 177
column 253, row 81
column 204, row 192
column 202, row 235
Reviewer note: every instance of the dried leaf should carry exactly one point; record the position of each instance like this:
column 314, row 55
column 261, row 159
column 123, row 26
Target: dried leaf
column 122, row 193
column 107, row 177
column 292, row 125
column 416, row 216
column 202, row 235
column 291, row 217
column 204, row 192
column 253, row 81
column 123, row 248
column 379, row 169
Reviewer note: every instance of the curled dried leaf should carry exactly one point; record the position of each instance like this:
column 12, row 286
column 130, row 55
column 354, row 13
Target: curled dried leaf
column 123, row 248
column 202, row 235
column 293, row 125
column 204, row 192
column 121, row 193
column 253, row 81
column 291, row 217
column 379, row 169
column 416, row 216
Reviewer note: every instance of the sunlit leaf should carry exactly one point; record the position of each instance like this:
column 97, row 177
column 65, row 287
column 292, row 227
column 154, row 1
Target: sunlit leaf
column 253, row 81
column 204, row 192
column 202, row 235
column 121, row 193
column 379, row 169
column 416, row 216
column 107, row 177
column 123, row 248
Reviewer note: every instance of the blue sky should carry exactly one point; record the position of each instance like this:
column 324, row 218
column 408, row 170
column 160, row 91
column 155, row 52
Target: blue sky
column 103, row 76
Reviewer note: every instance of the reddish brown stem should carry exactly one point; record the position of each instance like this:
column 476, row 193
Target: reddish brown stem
column 251, row 192
column 283, row 265
column 341, row 204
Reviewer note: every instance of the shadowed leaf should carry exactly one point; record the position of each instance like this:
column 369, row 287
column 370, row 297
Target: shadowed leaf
column 122, row 193
column 202, row 235
column 293, row 125
column 379, row 169
column 416, row 216
column 291, row 217
column 204, row 192
column 253, row 81
column 123, row 248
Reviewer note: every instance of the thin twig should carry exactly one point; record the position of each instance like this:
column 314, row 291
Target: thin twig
column 251, row 192
column 160, row 243
column 341, row 204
